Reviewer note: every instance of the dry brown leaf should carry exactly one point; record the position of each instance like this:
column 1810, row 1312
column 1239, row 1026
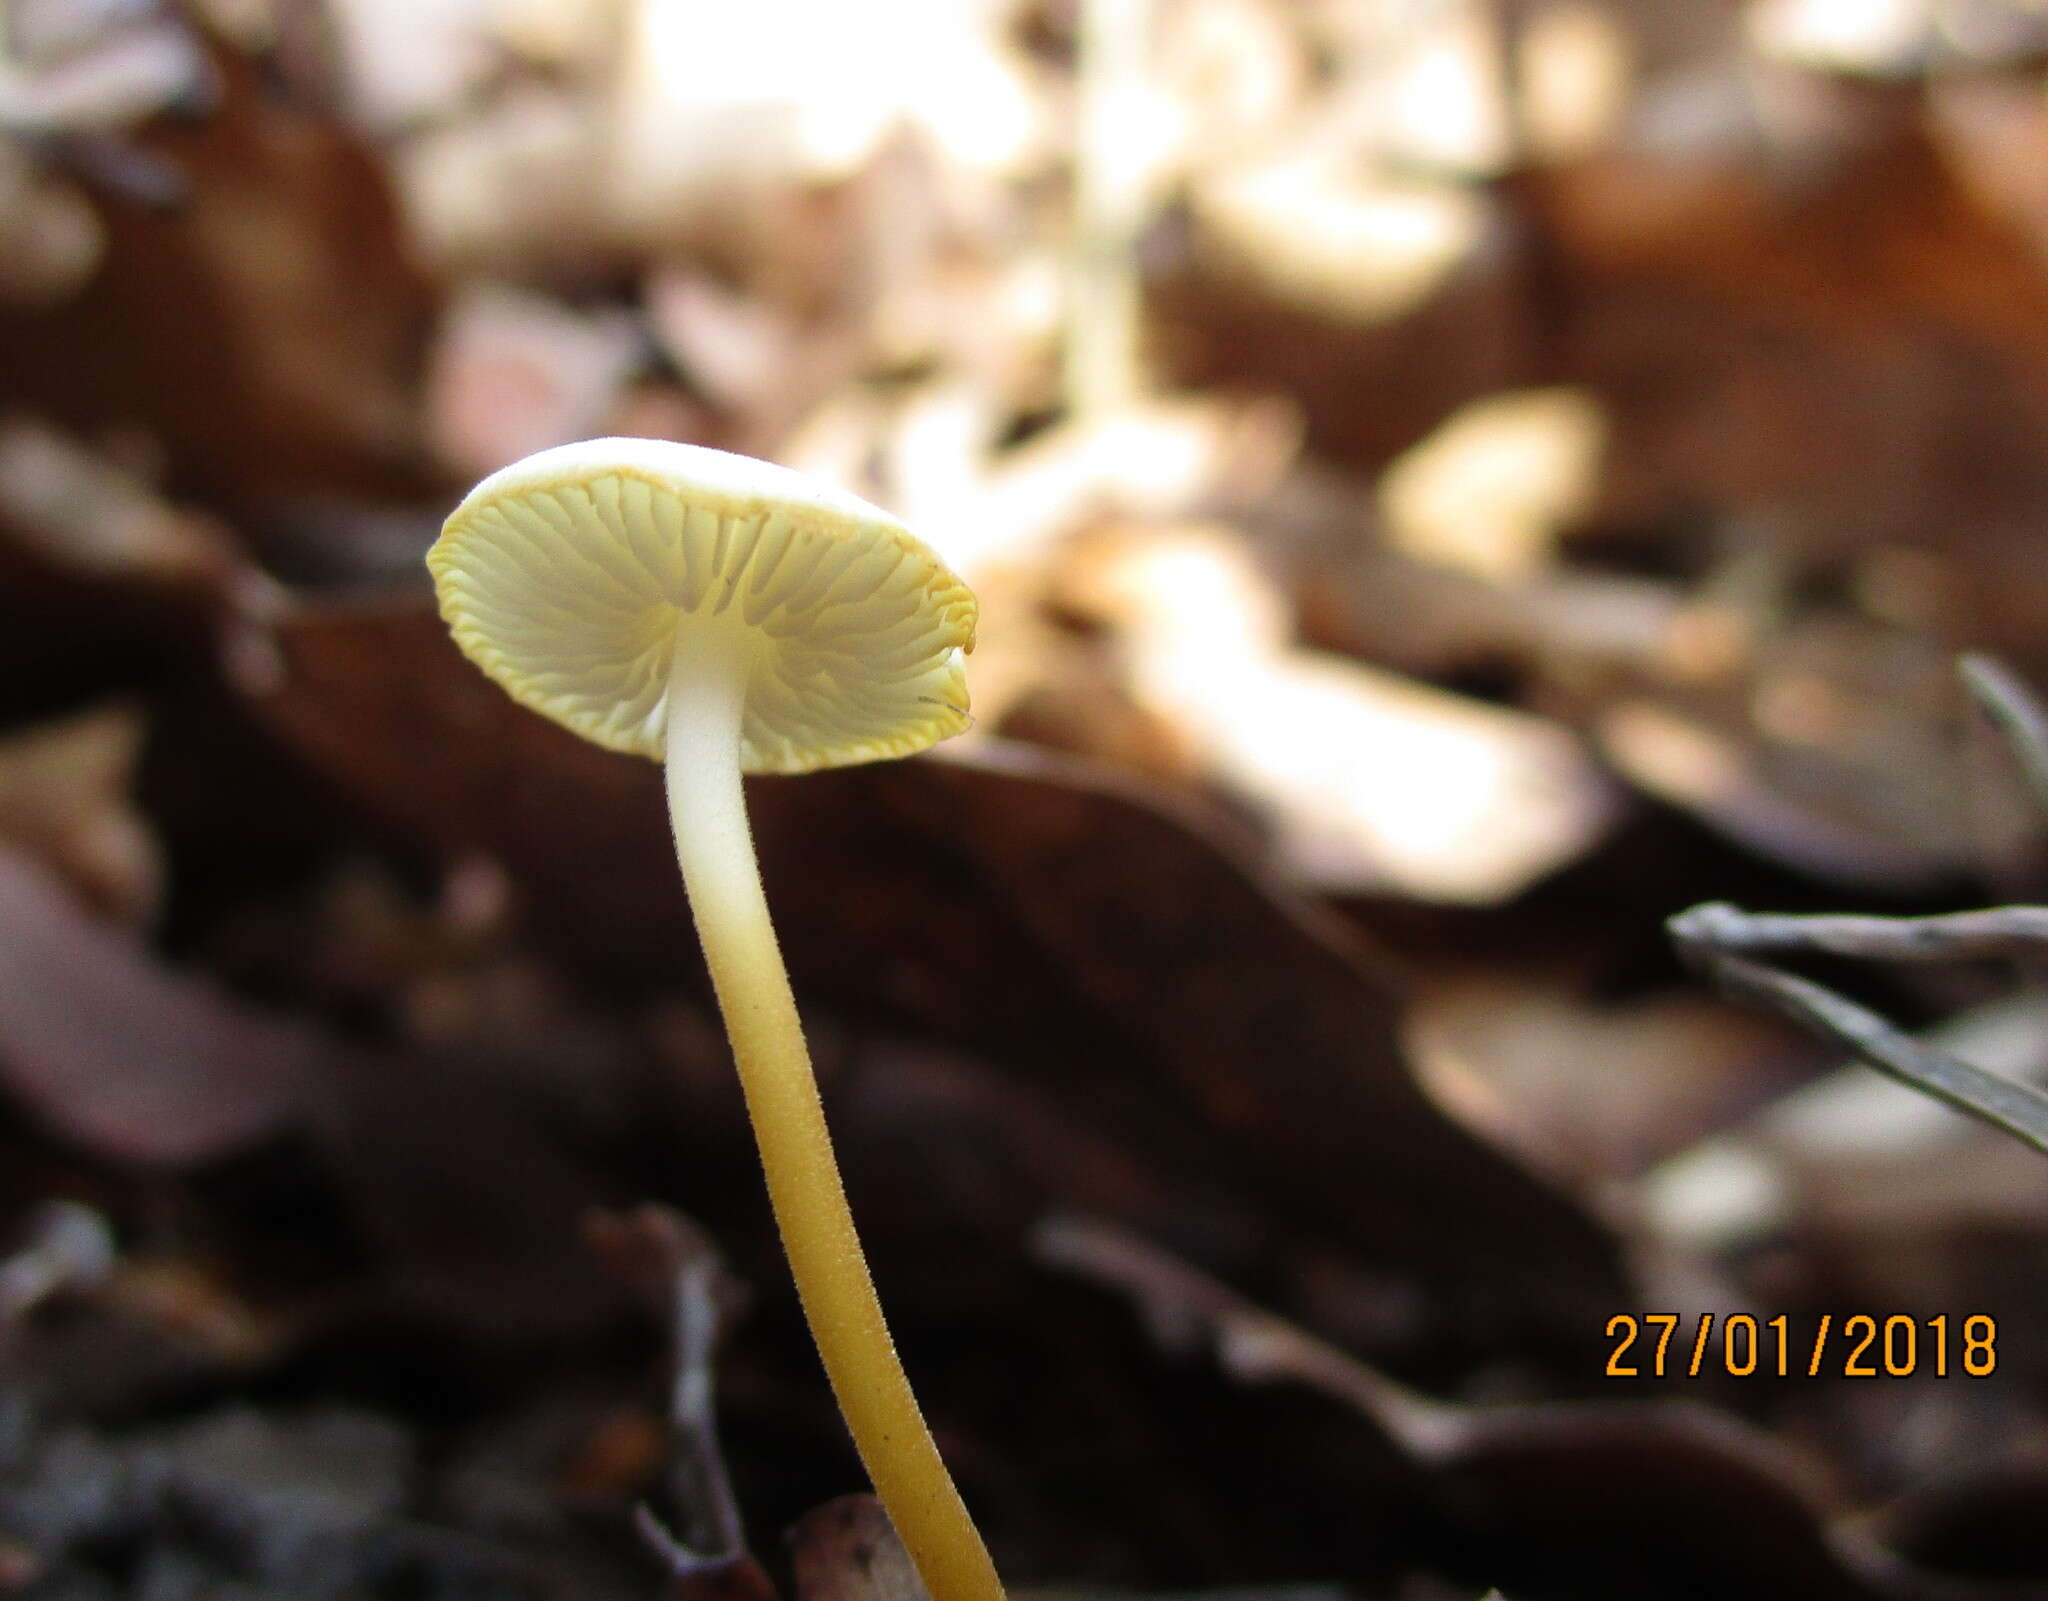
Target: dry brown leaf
column 94, row 68
column 82, row 513
column 103, row 580
column 1368, row 781
column 1004, row 902
column 1490, row 491
column 1595, row 1093
column 513, row 372
column 846, row 1550
column 1608, row 1498
column 1845, row 340
column 515, row 187
column 264, row 328
column 471, row 1205
column 49, row 239
column 1310, row 290
column 127, row 1059
column 64, row 798
column 1856, row 1155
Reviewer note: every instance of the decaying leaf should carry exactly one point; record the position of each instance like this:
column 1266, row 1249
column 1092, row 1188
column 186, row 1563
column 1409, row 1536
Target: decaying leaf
column 846, row 1551
column 64, row 798
column 1368, row 782
column 1610, row 1498
column 1490, row 491
column 276, row 287
column 1491, row 475
column 985, row 900
column 475, row 1210
column 123, row 1057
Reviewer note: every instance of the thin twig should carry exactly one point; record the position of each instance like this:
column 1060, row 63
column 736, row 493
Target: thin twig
column 2003, row 931
column 2018, row 1109
column 2012, row 709
column 69, row 1247
column 676, row 1262
column 1723, row 942
column 1254, row 1345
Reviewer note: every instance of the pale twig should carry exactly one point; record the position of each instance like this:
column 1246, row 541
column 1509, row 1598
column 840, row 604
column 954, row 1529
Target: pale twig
column 69, row 1247
column 675, row 1262
column 2013, row 932
column 1724, row 942
column 1254, row 1345
column 2018, row 1109
column 2012, row 709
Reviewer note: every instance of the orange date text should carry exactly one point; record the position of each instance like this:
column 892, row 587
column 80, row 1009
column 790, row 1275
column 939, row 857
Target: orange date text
column 1656, row 1345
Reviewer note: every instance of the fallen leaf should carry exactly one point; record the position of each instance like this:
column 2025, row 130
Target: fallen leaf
column 276, row 285
column 64, row 798
column 847, row 1550
column 1014, row 902
column 473, row 1209
column 1607, row 1499
column 513, row 372
column 1369, row 782
column 120, row 1055
column 1490, row 490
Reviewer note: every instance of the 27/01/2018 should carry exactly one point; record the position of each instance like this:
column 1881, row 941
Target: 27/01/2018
column 1859, row 1346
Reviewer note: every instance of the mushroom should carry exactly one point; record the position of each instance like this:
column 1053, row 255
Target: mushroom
column 724, row 615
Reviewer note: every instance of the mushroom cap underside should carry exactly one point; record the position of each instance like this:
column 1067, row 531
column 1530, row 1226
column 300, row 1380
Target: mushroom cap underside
column 567, row 575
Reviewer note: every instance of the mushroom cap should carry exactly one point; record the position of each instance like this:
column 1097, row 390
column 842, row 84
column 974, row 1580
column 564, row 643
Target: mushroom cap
column 568, row 575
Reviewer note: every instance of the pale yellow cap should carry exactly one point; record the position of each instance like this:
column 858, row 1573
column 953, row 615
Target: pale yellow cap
column 567, row 575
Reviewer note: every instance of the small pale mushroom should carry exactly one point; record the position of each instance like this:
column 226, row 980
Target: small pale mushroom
column 724, row 615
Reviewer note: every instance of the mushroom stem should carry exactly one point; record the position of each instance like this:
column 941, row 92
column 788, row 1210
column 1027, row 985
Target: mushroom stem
column 715, row 847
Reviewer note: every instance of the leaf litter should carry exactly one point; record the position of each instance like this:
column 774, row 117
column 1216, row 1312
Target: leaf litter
column 1447, row 493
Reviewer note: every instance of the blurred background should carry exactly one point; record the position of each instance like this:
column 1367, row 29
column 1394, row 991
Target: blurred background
column 1450, row 484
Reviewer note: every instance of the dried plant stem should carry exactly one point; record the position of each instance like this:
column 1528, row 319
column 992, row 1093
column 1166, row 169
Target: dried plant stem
column 1253, row 1344
column 1724, row 942
column 2012, row 710
column 1705, row 936
column 2012, row 932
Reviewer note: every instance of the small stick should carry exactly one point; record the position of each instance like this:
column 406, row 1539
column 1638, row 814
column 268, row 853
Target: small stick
column 674, row 1261
column 698, row 1475
column 1253, row 1345
column 69, row 1247
column 2018, row 1109
column 2003, row 931
column 2011, row 708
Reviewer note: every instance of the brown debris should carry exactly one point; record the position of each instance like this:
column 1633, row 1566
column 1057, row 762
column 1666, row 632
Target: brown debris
column 1447, row 487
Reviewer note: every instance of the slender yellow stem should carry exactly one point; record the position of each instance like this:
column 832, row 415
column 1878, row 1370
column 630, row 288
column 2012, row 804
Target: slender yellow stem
column 715, row 846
